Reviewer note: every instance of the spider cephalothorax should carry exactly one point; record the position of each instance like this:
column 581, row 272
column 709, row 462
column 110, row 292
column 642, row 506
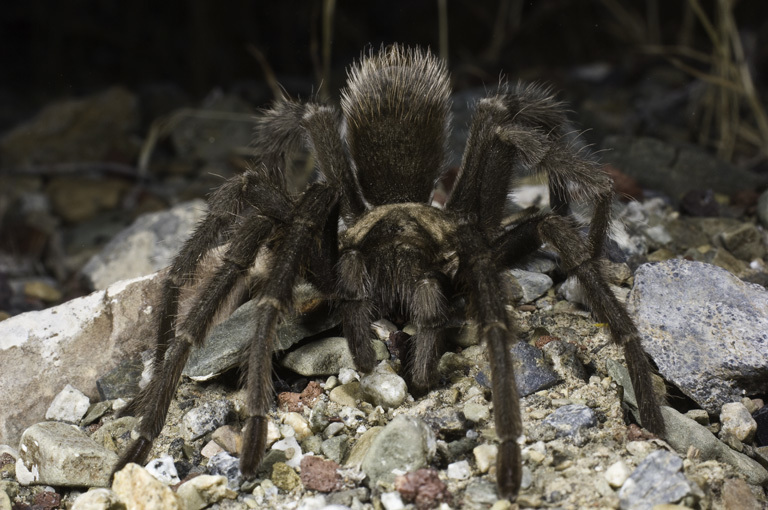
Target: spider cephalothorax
column 378, row 162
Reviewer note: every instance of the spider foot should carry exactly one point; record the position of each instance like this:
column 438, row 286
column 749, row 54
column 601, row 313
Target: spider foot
column 509, row 471
column 254, row 443
column 136, row 452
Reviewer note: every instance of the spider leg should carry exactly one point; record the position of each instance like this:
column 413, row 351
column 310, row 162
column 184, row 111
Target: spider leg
column 356, row 308
column 574, row 253
column 478, row 276
column 429, row 312
column 153, row 401
column 574, row 250
column 274, row 299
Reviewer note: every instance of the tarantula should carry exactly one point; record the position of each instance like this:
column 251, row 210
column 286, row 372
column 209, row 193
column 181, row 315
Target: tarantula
column 366, row 235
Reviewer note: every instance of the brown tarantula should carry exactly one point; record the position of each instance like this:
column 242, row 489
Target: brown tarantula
column 366, row 235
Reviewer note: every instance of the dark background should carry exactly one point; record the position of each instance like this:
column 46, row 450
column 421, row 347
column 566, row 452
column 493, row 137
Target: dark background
column 629, row 67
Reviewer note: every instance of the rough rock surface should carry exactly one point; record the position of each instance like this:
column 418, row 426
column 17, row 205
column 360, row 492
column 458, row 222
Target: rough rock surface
column 54, row 453
column 73, row 343
column 145, row 247
column 706, row 330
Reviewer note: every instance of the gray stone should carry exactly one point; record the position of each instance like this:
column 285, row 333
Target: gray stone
column 476, row 412
column 73, row 343
column 97, row 499
column 70, row 405
column 205, row 418
column 220, row 129
column 54, row 453
column 228, row 466
column 335, row 448
column 706, row 330
column 683, row 433
column 405, row 444
column 480, row 495
column 224, row 347
column 325, row 357
column 571, row 421
column 656, row 480
column 675, row 169
column 122, row 381
column 744, row 242
column 532, row 373
column 534, row 285
column 203, row 491
column 384, row 389
column 145, row 247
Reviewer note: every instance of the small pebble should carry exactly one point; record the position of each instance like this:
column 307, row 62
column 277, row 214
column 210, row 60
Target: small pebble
column 292, row 451
column 299, row 424
column 459, row 470
column 347, row 375
column 617, row 474
column 163, row 469
column 476, row 412
column 392, row 501
column 69, row 406
column 737, row 422
column 485, row 456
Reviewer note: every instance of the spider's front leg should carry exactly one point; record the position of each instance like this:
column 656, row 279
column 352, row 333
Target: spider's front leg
column 153, row 401
column 315, row 210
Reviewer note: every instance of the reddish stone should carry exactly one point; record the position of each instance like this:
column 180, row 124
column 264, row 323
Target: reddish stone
column 424, row 488
column 320, row 475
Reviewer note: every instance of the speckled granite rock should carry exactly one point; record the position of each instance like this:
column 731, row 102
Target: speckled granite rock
column 706, row 330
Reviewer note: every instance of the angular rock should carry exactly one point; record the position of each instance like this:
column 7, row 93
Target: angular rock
column 656, row 480
column 532, row 373
column 139, row 489
column 54, row 453
column 323, row 357
column 704, row 328
column 73, row 343
column 164, row 469
column 683, row 433
column 145, row 247
column 97, row 499
column 534, row 285
column 226, row 343
column 384, row 389
column 320, row 475
column 69, row 406
column 228, row 466
column 405, row 444
column 204, row 490
column 572, row 420
column 737, row 422
column 205, row 418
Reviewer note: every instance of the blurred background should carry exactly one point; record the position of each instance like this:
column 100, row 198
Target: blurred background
column 110, row 110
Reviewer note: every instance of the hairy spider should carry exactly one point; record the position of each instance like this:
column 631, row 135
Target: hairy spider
column 366, row 235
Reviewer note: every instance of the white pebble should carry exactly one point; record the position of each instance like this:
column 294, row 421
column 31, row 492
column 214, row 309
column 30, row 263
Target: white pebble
column 459, row 470
column 617, row 474
column 70, row 405
column 347, row 375
column 392, row 501
column 163, row 469
column 291, row 447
